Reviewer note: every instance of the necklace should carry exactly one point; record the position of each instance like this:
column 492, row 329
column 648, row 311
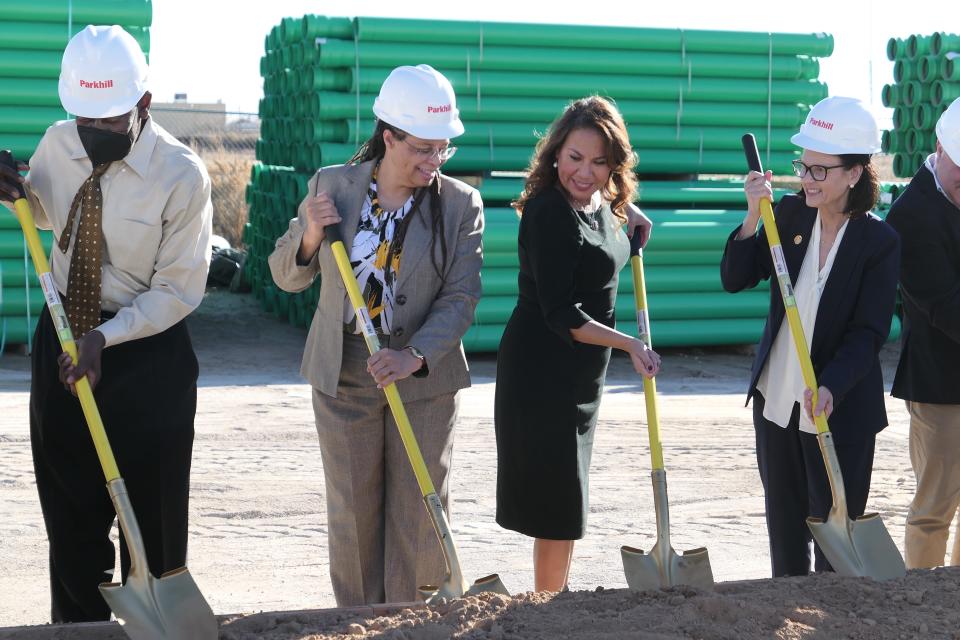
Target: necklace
column 590, row 209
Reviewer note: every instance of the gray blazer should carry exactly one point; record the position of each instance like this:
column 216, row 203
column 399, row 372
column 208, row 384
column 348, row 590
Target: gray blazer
column 436, row 312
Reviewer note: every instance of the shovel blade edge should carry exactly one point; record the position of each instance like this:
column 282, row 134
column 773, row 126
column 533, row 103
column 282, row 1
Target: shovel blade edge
column 660, row 570
column 168, row 608
column 858, row 548
column 491, row 583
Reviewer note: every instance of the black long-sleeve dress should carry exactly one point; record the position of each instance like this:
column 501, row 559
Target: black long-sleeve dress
column 548, row 385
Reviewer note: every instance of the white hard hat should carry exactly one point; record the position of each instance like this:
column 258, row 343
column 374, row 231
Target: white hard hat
column 103, row 74
column 420, row 101
column 948, row 131
column 839, row 126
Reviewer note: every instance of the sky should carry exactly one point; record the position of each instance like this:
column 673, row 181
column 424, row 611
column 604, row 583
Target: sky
column 211, row 49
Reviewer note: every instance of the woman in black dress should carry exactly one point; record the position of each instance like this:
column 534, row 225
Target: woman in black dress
column 555, row 348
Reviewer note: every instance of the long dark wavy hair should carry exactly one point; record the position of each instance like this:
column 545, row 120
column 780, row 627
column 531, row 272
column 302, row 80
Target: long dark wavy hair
column 374, row 149
column 600, row 115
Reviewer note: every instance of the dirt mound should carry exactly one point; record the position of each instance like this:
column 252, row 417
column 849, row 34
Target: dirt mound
column 923, row 605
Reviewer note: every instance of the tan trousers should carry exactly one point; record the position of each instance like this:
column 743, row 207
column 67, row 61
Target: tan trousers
column 935, row 456
column 381, row 542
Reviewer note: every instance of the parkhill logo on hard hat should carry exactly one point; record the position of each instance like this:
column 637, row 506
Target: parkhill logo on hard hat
column 443, row 108
column 96, row 84
column 821, row 123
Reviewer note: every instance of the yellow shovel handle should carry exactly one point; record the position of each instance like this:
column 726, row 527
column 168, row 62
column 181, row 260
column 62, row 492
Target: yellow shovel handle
column 373, row 345
column 59, row 316
column 643, row 330
column 786, row 286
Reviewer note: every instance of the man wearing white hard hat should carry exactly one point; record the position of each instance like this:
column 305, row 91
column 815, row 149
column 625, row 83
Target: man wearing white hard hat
column 843, row 263
column 927, row 216
column 130, row 211
column 414, row 240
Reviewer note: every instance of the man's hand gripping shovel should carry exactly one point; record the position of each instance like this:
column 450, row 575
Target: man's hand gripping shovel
column 148, row 608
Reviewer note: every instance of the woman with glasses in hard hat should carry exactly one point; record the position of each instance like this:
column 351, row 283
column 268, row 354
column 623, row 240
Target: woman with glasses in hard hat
column 555, row 348
column 414, row 240
column 843, row 262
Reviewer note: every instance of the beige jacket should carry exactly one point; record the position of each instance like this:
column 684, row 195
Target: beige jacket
column 436, row 312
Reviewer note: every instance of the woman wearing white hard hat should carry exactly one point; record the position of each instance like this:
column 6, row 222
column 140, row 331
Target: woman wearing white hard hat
column 414, row 239
column 843, row 262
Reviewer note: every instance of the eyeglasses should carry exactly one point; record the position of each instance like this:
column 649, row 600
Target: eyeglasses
column 817, row 171
column 427, row 153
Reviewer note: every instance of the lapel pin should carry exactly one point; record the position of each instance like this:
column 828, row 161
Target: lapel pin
column 797, row 239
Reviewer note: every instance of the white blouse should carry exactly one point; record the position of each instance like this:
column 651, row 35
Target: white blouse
column 781, row 381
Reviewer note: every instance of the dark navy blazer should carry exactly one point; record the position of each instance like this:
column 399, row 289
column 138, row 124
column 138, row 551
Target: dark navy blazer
column 853, row 319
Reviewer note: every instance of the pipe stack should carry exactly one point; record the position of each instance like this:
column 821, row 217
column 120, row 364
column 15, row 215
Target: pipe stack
column 926, row 74
column 686, row 100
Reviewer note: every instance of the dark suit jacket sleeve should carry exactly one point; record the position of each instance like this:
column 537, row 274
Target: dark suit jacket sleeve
column 552, row 240
column 745, row 262
column 869, row 327
column 451, row 313
column 928, row 276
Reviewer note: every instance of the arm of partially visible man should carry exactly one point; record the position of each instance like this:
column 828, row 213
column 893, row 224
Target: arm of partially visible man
column 928, row 275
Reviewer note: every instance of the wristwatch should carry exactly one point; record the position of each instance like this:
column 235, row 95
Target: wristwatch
column 416, row 353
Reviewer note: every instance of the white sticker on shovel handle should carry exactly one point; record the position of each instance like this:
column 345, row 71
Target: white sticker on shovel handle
column 643, row 326
column 363, row 316
column 783, row 276
column 57, row 313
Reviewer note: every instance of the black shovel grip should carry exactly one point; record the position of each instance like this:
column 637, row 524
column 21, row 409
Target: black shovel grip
column 750, row 150
column 332, row 233
column 6, row 159
column 635, row 240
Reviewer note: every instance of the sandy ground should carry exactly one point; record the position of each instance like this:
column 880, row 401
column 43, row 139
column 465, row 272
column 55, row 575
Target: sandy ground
column 258, row 522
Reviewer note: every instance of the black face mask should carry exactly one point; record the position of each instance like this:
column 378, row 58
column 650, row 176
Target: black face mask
column 105, row 146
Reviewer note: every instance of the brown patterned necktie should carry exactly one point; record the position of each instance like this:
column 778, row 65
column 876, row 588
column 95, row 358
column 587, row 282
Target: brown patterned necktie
column 85, row 279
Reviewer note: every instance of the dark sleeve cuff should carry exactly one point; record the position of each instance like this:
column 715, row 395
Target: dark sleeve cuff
column 562, row 320
column 422, row 372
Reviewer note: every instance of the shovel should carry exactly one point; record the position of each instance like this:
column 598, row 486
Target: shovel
column 860, row 547
column 662, row 567
column 454, row 584
column 168, row 608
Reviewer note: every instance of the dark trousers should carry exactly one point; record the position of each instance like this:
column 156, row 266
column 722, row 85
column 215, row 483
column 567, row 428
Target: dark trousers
column 147, row 398
column 795, row 486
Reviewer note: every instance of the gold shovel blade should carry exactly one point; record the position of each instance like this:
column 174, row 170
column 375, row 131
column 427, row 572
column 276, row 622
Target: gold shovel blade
column 659, row 569
column 449, row 589
column 454, row 584
column 662, row 567
column 169, row 608
column 861, row 547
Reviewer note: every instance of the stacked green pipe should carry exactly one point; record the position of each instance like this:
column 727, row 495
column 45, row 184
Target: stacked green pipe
column 681, row 90
column 272, row 198
column 926, row 74
column 33, row 36
column 686, row 99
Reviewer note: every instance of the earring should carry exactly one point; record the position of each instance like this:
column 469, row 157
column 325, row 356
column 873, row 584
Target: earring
column 852, row 186
column 554, row 164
